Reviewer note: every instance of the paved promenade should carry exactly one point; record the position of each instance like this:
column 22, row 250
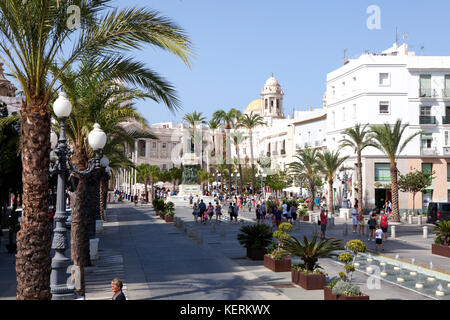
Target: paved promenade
column 158, row 261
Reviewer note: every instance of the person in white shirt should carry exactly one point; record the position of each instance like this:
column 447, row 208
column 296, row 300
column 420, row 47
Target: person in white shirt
column 378, row 238
column 285, row 210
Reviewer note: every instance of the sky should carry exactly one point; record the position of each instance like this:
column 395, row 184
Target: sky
column 240, row 43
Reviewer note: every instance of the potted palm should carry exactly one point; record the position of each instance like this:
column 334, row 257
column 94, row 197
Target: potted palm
column 279, row 260
column 309, row 275
column 303, row 214
column 169, row 212
column 441, row 245
column 158, row 205
column 255, row 239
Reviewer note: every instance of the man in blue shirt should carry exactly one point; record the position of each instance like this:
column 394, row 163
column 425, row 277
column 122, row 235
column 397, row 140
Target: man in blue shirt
column 202, row 207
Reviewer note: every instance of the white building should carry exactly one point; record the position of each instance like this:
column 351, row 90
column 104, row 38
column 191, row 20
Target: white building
column 381, row 88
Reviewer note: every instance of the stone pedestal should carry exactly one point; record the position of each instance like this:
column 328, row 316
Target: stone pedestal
column 93, row 248
column 187, row 190
column 98, row 226
column 345, row 213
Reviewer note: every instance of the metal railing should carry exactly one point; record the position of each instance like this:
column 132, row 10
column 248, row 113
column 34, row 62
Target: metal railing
column 428, row 151
column 427, row 120
column 446, row 120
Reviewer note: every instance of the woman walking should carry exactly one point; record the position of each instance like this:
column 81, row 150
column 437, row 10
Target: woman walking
column 196, row 212
column 323, row 222
column 218, row 212
column 372, row 225
column 210, row 211
column 361, row 224
column 294, row 213
column 258, row 214
column 116, row 286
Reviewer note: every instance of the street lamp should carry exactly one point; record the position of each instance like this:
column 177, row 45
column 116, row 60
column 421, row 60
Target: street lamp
column 60, row 289
column 344, row 179
column 301, row 188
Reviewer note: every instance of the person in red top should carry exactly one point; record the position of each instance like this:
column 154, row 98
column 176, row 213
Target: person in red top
column 323, row 222
column 384, row 224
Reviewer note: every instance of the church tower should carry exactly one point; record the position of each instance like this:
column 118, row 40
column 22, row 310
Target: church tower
column 272, row 99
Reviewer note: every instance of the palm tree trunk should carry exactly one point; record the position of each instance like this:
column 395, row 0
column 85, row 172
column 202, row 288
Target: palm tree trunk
column 240, row 168
column 79, row 233
column 146, row 191
column 330, row 191
column 103, row 191
column 311, row 196
column 360, row 184
column 394, row 189
column 253, row 162
column 33, row 261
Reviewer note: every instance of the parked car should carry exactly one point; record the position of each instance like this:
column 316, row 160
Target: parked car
column 69, row 218
column 438, row 211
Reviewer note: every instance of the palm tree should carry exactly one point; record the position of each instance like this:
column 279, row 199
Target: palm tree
column 176, row 175
column 358, row 139
column 148, row 174
column 34, row 35
column 228, row 119
column 306, row 167
column 213, row 125
column 194, row 118
column 388, row 140
column 237, row 138
column 250, row 122
column 329, row 163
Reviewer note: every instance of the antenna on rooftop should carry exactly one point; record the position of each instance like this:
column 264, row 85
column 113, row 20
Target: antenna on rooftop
column 345, row 56
column 422, row 50
column 396, row 35
column 405, row 37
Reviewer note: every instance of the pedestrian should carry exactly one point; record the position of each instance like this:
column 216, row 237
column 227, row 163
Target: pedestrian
column 323, row 222
column 372, row 225
column 116, row 286
column 384, row 224
column 263, row 210
column 355, row 219
column 191, row 199
column 258, row 214
column 210, row 211
column 236, row 213
column 196, row 212
column 361, row 230
column 270, row 220
column 294, row 213
column 288, row 214
column 378, row 238
column 218, row 212
column 356, row 204
column 285, row 210
column 231, row 211
column 278, row 214
column 202, row 207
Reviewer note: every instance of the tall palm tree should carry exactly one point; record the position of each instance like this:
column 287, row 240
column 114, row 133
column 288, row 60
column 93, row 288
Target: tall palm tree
column 237, row 138
column 176, row 174
column 213, row 125
column 148, row 174
column 34, row 36
column 228, row 119
column 329, row 163
column 193, row 118
column 388, row 140
column 250, row 122
column 358, row 138
column 307, row 167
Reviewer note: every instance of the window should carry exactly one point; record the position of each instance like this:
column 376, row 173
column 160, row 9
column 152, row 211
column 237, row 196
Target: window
column 425, row 85
column 265, row 103
column 332, row 119
column 384, row 107
column 425, row 111
column 174, row 145
column 448, row 172
column 382, row 172
column 426, row 140
column 333, row 90
column 164, row 145
column 154, row 145
column 164, row 167
column 141, row 148
column 384, row 79
column 427, row 167
column 446, row 138
column 447, row 86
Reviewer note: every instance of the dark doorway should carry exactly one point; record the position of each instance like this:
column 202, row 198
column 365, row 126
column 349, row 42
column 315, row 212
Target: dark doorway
column 381, row 195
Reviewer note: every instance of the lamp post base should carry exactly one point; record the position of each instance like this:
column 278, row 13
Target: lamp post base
column 63, row 292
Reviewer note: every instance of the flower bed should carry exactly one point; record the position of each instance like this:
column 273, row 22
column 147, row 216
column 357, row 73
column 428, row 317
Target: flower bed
column 308, row 281
column 277, row 265
column 440, row 250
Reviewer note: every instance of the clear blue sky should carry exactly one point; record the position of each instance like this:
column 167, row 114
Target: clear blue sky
column 240, row 43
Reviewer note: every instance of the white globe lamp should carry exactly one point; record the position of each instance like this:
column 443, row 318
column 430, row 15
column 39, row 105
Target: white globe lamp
column 97, row 138
column 62, row 106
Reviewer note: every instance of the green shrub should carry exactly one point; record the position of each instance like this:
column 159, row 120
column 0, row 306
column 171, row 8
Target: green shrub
column 442, row 231
column 345, row 257
column 333, row 282
column 285, row 227
column 356, row 246
column 342, row 275
column 346, row 288
column 278, row 254
column 301, row 268
column 302, row 212
column 255, row 237
column 301, row 201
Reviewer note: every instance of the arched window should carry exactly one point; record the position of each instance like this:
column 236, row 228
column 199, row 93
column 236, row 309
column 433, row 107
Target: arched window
column 265, row 103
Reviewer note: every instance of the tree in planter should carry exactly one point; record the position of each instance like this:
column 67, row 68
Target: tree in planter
column 276, row 182
column 281, row 234
column 169, row 209
column 311, row 251
column 442, row 232
column 415, row 182
column 356, row 246
column 255, row 236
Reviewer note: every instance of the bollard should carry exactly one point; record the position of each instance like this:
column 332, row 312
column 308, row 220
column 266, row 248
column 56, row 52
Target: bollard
column 345, row 230
column 393, row 232
column 310, row 217
column 419, row 220
column 410, row 219
column 425, row 232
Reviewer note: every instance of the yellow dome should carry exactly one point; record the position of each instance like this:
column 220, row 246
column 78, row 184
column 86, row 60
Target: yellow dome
column 254, row 106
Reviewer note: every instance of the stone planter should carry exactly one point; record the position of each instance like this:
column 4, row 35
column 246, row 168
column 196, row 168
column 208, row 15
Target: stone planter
column 169, row 219
column 283, row 265
column 308, row 281
column 304, row 218
column 440, row 250
column 328, row 294
column 256, row 254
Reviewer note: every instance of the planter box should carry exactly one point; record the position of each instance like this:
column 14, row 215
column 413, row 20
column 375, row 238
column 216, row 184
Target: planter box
column 277, row 265
column 440, row 250
column 256, row 254
column 328, row 294
column 309, row 281
column 169, row 219
column 303, row 218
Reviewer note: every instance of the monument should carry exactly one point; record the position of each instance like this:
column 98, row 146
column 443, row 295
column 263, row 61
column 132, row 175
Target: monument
column 189, row 183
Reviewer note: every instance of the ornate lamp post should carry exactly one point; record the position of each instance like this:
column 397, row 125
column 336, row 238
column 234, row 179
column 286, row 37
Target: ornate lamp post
column 60, row 289
column 301, row 188
column 344, row 179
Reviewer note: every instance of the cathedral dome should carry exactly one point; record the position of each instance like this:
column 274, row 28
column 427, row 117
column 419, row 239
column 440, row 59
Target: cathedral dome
column 272, row 82
column 254, row 106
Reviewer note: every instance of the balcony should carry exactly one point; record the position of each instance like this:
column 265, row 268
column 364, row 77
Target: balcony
column 428, row 152
column 283, row 152
column 446, row 151
column 445, row 120
column 446, row 93
column 427, row 93
column 427, row 120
